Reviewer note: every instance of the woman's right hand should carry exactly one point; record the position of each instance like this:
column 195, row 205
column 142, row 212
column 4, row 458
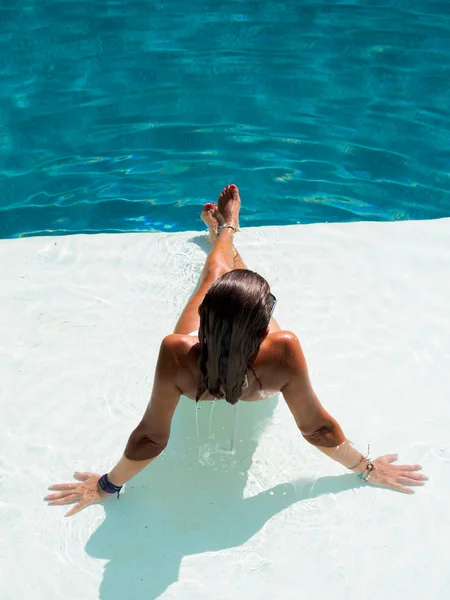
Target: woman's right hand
column 83, row 494
column 396, row 477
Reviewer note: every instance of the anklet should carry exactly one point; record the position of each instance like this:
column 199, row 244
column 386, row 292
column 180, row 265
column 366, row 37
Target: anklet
column 235, row 229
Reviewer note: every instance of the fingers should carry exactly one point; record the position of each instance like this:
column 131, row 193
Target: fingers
column 391, row 457
column 83, row 476
column 410, row 467
column 388, row 458
column 411, row 482
column 75, row 509
column 69, row 493
column 69, row 499
column 70, row 486
column 402, row 488
column 63, row 486
column 414, row 476
column 408, row 479
column 53, row 497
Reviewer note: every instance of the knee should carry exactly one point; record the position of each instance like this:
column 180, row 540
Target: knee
column 214, row 272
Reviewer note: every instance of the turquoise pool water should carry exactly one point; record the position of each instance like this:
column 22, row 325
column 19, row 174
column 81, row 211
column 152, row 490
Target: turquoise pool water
column 123, row 116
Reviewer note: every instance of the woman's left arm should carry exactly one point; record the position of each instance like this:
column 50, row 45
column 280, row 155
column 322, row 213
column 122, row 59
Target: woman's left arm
column 321, row 430
column 145, row 443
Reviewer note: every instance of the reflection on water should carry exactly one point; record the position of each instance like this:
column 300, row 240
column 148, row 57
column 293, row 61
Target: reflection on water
column 120, row 116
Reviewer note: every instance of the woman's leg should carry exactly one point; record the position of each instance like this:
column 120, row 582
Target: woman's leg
column 239, row 264
column 222, row 258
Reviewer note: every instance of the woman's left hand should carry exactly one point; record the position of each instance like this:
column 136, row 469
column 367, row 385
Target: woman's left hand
column 85, row 493
column 396, row 477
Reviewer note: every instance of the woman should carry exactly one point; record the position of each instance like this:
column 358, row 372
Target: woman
column 240, row 353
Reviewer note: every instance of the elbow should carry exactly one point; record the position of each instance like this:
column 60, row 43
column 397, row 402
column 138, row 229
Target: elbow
column 323, row 436
column 144, row 445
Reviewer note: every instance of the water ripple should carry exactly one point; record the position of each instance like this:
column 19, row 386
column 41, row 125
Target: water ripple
column 128, row 116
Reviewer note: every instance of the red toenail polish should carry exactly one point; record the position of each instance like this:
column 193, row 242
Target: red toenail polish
column 209, row 206
column 233, row 186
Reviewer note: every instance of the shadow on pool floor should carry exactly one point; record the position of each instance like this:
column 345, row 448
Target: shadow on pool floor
column 180, row 507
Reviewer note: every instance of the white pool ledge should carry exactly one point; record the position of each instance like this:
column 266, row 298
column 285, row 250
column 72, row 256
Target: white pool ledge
column 81, row 319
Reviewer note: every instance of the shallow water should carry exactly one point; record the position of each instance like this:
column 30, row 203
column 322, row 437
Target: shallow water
column 81, row 320
column 121, row 116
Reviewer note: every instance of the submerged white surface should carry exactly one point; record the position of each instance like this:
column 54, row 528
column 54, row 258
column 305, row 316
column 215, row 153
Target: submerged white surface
column 81, row 319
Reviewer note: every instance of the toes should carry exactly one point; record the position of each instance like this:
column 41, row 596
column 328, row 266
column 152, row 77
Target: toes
column 209, row 212
column 220, row 220
column 229, row 188
column 228, row 191
column 225, row 190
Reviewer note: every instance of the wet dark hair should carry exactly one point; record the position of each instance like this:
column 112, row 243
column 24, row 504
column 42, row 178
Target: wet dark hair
column 234, row 316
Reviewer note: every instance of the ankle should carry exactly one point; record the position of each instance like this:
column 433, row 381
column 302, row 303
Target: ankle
column 228, row 226
column 225, row 236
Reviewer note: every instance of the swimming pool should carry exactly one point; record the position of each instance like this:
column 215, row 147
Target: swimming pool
column 128, row 116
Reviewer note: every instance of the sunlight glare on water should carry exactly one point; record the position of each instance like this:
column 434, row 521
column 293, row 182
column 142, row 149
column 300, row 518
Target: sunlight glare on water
column 127, row 116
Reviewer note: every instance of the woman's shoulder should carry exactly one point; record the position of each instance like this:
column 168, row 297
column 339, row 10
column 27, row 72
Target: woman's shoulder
column 271, row 362
column 277, row 341
column 278, row 347
column 282, row 349
column 282, row 335
column 178, row 344
column 282, row 341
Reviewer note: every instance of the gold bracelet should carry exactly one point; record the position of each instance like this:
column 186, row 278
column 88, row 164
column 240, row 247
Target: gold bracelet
column 358, row 463
column 370, row 467
column 361, row 459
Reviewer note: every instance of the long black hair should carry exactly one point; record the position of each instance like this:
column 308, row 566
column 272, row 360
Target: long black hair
column 234, row 316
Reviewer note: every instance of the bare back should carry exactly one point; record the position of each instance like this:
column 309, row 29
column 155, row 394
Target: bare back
column 267, row 365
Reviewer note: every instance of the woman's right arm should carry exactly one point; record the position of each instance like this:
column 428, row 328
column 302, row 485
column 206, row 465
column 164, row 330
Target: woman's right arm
column 150, row 437
column 145, row 443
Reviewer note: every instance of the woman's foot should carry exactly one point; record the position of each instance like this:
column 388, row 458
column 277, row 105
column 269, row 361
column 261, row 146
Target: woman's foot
column 227, row 213
column 230, row 205
column 209, row 217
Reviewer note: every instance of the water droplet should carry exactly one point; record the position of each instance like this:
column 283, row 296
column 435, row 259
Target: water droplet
column 253, row 560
